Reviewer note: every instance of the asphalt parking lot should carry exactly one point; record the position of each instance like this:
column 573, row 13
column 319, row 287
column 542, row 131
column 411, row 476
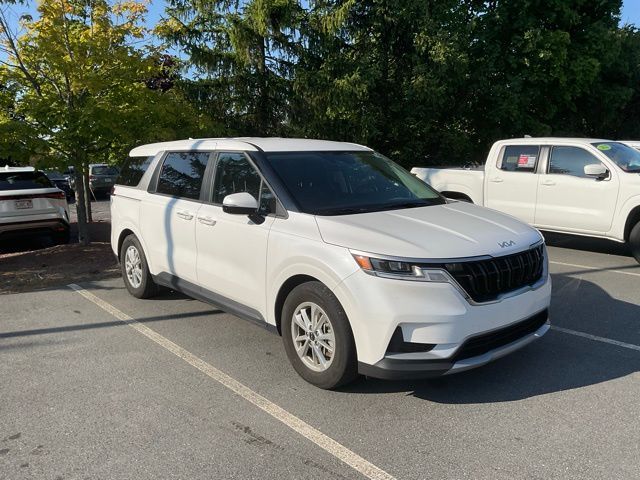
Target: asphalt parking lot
column 97, row 384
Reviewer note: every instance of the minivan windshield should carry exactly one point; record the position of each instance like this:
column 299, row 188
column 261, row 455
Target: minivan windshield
column 343, row 183
column 625, row 157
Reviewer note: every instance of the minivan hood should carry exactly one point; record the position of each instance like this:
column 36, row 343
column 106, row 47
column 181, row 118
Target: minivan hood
column 452, row 230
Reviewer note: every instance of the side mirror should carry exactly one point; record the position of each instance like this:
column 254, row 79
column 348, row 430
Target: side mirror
column 597, row 170
column 242, row 203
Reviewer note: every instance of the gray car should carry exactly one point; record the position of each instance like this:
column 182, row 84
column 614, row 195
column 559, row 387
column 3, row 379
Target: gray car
column 102, row 177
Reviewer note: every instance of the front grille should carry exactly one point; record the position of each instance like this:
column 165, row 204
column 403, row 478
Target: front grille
column 486, row 280
column 486, row 342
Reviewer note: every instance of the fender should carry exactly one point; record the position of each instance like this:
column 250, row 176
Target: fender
column 459, row 188
column 619, row 222
column 312, row 264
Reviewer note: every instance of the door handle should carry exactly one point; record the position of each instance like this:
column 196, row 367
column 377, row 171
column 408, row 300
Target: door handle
column 207, row 221
column 548, row 183
column 184, row 215
column 496, row 180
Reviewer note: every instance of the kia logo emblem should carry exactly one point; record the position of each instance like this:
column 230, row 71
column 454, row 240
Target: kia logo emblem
column 510, row 243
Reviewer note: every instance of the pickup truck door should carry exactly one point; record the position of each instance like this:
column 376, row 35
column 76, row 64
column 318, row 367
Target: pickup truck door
column 569, row 200
column 512, row 183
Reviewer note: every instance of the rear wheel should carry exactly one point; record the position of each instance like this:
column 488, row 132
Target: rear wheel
column 317, row 336
column 135, row 271
column 634, row 241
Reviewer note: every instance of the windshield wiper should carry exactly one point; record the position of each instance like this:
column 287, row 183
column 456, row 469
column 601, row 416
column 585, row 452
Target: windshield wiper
column 378, row 208
column 343, row 211
column 399, row 206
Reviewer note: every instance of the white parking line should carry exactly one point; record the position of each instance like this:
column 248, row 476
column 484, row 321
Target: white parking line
column 323, row 441
column 596, row 338
column 585, row 267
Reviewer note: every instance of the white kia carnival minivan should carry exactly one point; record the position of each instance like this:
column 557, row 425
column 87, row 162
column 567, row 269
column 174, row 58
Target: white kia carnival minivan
column 358, row 265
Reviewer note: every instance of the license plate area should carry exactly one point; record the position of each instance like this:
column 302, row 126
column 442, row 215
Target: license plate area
column 24, row 204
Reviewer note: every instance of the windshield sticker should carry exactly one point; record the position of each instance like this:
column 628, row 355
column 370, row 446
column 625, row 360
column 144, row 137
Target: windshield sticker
column 604, row 147
column 527, row 161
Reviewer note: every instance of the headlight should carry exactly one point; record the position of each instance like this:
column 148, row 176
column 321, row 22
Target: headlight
column 401, row 270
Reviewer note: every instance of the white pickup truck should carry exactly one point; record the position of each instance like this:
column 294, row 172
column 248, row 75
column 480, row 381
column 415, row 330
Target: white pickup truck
column 571, row 185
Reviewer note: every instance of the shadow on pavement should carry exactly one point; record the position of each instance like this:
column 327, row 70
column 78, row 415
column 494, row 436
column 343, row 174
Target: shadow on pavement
column 555, row 363
column 98, row 325
column 587, row 244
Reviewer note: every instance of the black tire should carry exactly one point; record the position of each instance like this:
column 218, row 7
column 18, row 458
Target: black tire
column 343, row 367
column 62, row 238
column 147, row 287
column 634, row 241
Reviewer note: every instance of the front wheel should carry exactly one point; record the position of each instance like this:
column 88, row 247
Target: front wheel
column 634, row 241
column 317, row 336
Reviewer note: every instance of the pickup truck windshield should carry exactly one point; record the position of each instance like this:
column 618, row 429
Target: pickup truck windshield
column 343, row 183
column 625, row 157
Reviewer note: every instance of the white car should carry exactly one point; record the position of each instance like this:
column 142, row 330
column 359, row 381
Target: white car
column 30, row 205
column 570, row 185
column 361, row 267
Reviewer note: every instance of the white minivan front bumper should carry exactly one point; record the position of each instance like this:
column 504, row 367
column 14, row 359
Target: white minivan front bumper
column 455, row 334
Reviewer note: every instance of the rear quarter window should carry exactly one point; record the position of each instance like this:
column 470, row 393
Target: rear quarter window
column 133, row 170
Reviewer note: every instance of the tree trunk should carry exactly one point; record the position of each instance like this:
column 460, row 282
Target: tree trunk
column 263, row 124
column 87, row 193
column 81, row 206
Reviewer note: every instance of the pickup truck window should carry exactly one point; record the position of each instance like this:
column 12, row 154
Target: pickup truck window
column 570, row 161
column 625, row 157
column 519, row 158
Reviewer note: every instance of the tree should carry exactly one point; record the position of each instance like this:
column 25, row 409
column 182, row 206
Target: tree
column 242, row 54
column 79, row 87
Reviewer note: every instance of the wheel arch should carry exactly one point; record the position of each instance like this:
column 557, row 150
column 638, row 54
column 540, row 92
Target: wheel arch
column 632, row 220
column 283, row 292
column 457, row 196
column 124, row 234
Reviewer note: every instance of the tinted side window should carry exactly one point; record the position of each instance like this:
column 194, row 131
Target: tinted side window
column 181, row 174
column 570, row 161
column 520, row 158
column 235, row 174
column 133, row 170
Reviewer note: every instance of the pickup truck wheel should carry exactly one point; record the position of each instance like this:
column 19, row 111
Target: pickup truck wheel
column 135, row 270
column 634, row 241
column 317, row 336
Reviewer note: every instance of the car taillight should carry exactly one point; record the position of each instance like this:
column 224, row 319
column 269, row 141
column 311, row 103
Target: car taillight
column 56, row 195
column 92, row 177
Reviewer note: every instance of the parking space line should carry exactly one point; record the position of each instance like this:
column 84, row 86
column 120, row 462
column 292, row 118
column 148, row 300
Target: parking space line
column 596, row 338
column 599, row 269
column 323, row 441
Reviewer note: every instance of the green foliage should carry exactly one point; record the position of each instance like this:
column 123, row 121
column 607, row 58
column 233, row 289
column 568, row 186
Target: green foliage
column 75, row 89
column 425, row 81
column 243, row 56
